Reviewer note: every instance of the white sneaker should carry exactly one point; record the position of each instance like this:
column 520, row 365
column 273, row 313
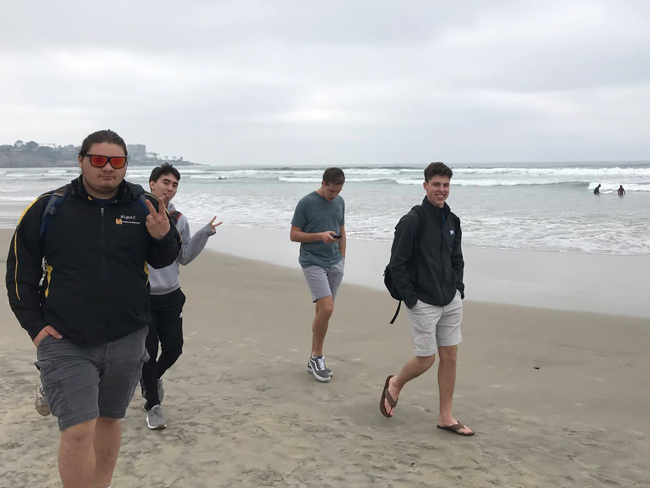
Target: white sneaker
column 41, row 404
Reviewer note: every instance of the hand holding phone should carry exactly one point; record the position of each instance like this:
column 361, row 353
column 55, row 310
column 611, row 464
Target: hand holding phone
column 337, row 236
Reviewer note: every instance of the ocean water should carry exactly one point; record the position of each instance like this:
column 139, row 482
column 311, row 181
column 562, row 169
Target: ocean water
column 539, row 207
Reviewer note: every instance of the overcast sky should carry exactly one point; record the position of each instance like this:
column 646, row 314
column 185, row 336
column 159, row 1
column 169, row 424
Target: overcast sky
column 333, row 82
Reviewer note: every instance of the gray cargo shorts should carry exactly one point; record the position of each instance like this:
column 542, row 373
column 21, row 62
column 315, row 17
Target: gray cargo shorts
column 324, row 282
column 82, row 383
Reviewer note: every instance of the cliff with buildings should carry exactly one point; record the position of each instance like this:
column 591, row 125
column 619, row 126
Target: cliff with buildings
column 34, row 155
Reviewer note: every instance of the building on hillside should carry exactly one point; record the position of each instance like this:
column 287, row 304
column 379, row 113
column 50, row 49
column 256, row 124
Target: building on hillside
column 137, row 150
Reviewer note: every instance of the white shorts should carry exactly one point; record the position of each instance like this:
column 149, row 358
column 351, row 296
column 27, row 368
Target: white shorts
column 433, row 327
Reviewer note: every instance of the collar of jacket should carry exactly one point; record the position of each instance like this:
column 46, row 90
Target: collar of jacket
column 125, row 192
column 436, row 212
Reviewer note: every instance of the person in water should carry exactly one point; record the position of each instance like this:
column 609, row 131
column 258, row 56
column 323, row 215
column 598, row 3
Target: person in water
column 597, row 190
column 621, row 191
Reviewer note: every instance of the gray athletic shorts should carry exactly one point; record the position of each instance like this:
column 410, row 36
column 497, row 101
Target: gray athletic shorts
column 432, row 327
column 83, row 383
column 324, row 282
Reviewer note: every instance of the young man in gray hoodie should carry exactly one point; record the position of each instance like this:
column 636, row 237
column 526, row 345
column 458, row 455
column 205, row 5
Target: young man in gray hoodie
column 167, row 299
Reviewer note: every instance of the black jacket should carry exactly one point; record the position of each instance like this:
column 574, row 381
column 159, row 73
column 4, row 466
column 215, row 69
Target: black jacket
column 433, row 274
column 96, row 288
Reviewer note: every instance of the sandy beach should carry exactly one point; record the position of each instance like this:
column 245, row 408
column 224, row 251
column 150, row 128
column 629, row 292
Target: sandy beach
column 557, row 398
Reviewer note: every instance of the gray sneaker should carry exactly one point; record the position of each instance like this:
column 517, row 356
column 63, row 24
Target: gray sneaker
column 41, row 404
column 156, row 418
column 329, row 371
column 318, row 368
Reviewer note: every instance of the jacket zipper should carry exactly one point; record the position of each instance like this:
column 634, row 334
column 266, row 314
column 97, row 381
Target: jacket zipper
column 442, row 263
column 103, row 253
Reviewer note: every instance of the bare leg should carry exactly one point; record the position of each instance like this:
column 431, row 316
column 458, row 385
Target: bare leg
column 447, row 384
column 412, row 369
column 108, row 436
column 324, row 310
column 76, row 456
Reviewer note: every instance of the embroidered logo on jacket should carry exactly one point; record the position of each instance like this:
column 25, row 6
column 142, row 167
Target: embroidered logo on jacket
column 127, row 219
column 451, row 232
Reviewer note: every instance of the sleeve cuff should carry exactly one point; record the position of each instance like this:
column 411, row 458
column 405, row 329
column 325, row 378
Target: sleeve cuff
column 411, row 302
column 36, row 329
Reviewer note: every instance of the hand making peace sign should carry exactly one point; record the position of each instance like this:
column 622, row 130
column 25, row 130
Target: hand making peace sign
column 214, row 226
column 157, row 221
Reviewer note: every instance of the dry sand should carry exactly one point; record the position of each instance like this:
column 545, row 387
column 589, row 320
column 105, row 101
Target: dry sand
column 243, row 411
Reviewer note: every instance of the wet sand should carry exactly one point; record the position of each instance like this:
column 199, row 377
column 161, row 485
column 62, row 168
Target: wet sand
column 557, row 398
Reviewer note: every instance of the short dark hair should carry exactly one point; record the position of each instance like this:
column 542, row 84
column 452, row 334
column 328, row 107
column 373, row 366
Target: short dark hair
column 162, row 170
column 99, row 137
column 437, row 169
column 333, row 176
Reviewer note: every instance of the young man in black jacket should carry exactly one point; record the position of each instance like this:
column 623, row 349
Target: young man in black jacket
column 426, row 266
column 77, row 282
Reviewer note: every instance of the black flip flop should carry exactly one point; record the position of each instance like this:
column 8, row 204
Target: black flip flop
column 385, row 395
column 455, row 429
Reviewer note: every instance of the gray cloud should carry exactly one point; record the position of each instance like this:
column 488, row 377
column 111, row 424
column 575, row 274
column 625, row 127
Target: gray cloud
column 285, row 82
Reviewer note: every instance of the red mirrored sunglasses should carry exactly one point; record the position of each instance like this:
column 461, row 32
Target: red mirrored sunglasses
column 117, row 162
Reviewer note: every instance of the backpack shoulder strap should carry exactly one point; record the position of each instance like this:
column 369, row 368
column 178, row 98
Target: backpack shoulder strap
column 142, row 202
column 52, row 207
column 175, row 215
column 399, row 305
column 422, row 222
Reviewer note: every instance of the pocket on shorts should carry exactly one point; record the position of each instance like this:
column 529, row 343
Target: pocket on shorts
column 137, row 376
column 43, row 340
column 53, row 387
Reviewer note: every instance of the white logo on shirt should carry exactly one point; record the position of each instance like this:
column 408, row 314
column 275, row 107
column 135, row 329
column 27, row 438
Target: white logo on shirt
column 451, row 232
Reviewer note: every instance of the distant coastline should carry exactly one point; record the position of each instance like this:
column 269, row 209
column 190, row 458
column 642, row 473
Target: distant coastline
column 33, row 155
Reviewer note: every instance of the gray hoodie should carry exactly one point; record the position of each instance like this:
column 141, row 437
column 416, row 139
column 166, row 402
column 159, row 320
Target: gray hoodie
column 166, row 280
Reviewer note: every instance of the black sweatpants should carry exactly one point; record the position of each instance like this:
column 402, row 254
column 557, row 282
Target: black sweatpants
column 167, row 327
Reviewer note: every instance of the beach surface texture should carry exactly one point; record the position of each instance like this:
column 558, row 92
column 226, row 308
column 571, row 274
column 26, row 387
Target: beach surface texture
column 558, row 398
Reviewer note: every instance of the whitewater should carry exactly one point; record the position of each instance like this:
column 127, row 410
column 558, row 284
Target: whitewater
column 535, row 206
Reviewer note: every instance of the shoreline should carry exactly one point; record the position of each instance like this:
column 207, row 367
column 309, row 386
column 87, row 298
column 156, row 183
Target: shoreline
column 548, row 280
column 600, row 283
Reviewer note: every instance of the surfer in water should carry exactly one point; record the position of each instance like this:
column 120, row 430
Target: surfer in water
column 621, row 191
column 597, row 190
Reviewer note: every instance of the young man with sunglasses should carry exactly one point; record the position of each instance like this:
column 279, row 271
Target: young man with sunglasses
column 319, row 225
column 167, row 299
column 77, row 282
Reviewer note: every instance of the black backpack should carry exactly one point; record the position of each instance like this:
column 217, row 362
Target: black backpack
column 388, row 279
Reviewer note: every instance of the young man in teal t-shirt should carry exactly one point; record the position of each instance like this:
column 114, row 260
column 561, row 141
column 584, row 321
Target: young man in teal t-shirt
column 319, row 225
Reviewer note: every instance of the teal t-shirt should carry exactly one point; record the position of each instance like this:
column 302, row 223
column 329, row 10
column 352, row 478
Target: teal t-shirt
column 316, row 214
